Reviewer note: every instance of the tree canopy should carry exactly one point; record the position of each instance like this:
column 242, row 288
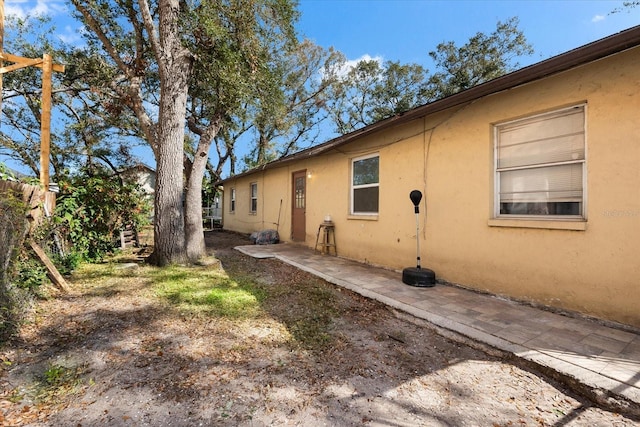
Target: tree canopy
column 192, row 80
column 179, row 66
column 83, row 131
column 484, row 57
column 373, row 90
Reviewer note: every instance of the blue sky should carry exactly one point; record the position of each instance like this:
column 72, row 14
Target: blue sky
column 406, row 30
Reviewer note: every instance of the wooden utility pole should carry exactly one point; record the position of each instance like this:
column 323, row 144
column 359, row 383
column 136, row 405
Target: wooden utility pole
column 45, row 121
column 48, row 67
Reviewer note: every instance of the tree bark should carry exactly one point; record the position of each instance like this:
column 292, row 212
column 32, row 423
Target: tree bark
column 174, row 66
column 194, row 231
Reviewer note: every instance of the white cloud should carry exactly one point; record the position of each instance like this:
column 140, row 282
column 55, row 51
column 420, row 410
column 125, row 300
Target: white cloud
column 71, row 35
column 22, row 8
column 598, row 18
column 351, row 63
column 343, row 70
column 366, row 57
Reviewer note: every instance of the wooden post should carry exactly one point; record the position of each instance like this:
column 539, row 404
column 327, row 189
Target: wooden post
column 48, row 67
column 52, row 271
column 45, row 121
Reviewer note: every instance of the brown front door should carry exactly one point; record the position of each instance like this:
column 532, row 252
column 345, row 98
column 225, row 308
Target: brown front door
column 299, row 198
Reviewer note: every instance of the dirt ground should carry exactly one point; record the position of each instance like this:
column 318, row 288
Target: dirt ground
column 120, row 356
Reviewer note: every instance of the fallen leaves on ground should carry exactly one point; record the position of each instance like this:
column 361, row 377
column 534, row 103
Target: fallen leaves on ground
column 306, row 353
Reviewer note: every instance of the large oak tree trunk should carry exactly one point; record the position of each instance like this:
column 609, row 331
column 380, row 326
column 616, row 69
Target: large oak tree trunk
column 169, row 236
column 174, row 66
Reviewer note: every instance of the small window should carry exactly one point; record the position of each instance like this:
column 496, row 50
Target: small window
column 365, row 183
column 232, row 205
column 254, row 197
column 540, row 166
column 299, row 193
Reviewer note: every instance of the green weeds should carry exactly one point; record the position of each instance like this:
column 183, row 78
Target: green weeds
column 202, row 290
column 58, row 382
column 306, row 307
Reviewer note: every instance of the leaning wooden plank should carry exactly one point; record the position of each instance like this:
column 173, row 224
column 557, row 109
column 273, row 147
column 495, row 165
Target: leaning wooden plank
column 53, row 272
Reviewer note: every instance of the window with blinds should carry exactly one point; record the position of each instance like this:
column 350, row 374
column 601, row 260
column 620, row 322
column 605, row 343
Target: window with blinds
column 540, row 165
column 232, row 205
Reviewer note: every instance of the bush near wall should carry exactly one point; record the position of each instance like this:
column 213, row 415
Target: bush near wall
column 14, row 301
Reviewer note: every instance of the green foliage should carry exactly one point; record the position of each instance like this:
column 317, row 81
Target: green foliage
column 286, row 118
column 483, row 58
column 208, row 291
column 371, row 91
column 91, row 207
column 67, row 263
column 237, row 81
column 54, row 374
column 21, row 103
column 14, row 301
column 6, row 174
column 90, row 124
column 57, row 382
column 15, row 305
column 31, row 273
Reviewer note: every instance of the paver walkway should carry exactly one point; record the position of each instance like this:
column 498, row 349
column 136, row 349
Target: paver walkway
column 598, row 356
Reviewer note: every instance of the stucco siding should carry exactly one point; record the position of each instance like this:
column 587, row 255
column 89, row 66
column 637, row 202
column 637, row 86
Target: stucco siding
column 589, row 266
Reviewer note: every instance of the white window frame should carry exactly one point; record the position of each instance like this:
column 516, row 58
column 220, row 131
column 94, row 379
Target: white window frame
column 498, row 128
column 356, row 187
column 232, row 201
column 253, row 199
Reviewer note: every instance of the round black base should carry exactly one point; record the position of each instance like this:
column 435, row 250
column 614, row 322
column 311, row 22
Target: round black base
column 420, row 277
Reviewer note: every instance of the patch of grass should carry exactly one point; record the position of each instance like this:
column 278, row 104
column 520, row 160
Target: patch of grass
column 313, row 332
column 309, row 311
column 101, row 272
column 57, row 382
column 110, row 278
column 207, row 291
column 55, row 374
column 305, row 306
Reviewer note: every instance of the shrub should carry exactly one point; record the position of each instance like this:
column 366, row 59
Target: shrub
column 13, row 301
column 30, row 272
column 90, row 209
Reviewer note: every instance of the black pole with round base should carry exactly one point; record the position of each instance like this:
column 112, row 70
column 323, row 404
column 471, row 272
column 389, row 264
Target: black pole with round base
column 418, row 276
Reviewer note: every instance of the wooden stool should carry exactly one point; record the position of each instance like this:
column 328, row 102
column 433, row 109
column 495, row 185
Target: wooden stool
column 328, row 238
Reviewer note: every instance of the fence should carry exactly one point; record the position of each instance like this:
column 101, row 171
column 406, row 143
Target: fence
column 36, row 198
column 213, row 215
column 38, row 202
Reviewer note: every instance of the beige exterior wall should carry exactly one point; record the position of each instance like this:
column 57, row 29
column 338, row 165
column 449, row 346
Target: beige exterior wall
column 592, row 267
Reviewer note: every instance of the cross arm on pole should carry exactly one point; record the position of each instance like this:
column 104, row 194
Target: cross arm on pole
column 21, row 62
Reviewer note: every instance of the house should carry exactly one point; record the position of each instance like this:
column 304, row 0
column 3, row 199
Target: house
column 212, row 213
column 531, row 185
column 144, row 176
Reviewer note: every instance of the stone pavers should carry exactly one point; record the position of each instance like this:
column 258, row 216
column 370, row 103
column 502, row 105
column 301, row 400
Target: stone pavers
column 598, row 356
